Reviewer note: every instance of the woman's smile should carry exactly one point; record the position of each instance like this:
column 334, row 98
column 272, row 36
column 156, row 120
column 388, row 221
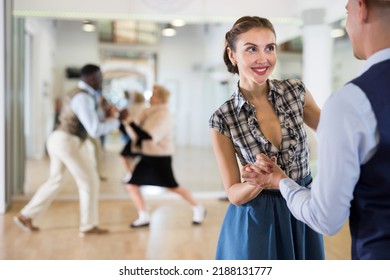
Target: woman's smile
column 261, row 70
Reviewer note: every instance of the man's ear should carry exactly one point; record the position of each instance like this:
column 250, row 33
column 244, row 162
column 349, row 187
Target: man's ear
column 363, row 10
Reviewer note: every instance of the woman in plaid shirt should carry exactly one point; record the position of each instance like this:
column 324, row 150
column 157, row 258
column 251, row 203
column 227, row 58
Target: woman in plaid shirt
column 262, row 116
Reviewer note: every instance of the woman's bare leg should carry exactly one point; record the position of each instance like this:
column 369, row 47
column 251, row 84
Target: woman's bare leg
column 139, row 202
column 199, row 212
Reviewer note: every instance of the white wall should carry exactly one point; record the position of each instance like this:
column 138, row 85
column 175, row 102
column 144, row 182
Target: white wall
column 74, row 49
column 289, row 66
column 39, row 93
column 3, row 191
column 345, row 65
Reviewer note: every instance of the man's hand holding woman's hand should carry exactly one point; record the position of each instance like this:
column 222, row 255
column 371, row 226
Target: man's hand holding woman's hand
column 264, row 172
column 113, row 113
column 123, row 114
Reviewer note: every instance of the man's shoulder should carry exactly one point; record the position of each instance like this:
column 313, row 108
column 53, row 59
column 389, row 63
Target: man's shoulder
column 77, row 90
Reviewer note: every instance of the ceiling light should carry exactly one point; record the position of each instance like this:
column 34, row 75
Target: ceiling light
column 178, row 22
column 88, row 26
column 337, row 33
column 168, row 31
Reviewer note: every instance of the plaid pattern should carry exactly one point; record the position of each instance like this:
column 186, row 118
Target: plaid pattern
column 236, row 119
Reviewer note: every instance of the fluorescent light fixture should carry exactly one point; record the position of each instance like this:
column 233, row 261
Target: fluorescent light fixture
column 337, row 33
column 88, row 26
column 178, row 22
column 148, row 94
column 168, row 31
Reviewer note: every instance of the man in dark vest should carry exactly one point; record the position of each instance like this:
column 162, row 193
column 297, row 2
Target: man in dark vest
column 353, row 176
column 68, row 147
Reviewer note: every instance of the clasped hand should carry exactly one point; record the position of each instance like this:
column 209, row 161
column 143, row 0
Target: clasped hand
column 264, row 172
column 113, row 112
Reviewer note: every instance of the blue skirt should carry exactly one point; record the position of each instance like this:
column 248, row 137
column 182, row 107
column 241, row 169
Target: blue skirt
column 265, row 229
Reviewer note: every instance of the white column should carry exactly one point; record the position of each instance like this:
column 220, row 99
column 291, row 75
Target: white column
column 5, row 94
column 2, row 111
column 317, row 55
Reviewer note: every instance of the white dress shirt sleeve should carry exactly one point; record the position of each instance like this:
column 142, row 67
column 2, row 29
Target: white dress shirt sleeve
column 347, row 138
column 83, row 106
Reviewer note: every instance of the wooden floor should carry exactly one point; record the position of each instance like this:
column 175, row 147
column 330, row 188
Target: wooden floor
column 171, row 235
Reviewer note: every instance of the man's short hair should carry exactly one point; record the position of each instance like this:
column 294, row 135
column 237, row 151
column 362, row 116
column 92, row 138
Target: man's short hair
column 89, row 69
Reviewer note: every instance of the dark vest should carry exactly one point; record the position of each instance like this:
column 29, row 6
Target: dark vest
column 370, row 208
column 68, row 119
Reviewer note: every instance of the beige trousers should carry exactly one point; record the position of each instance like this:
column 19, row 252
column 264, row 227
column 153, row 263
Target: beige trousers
column 66, row 150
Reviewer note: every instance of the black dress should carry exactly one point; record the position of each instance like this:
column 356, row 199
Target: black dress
column 155, row 171
column 152, row 170
column 127, row 151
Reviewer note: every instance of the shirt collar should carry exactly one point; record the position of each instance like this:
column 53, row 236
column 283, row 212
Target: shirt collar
column 273, row 87
column 240, row 101
column 83, row 85
column 377, row 57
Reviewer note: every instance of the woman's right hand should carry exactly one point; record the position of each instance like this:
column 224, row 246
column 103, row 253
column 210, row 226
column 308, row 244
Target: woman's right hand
column 264, row 172
column 123, row 114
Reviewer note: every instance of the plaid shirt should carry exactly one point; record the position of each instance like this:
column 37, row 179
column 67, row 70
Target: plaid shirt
column 236, row 119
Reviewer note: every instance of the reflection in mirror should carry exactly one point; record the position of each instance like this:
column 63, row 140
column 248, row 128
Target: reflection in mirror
column 127, row 71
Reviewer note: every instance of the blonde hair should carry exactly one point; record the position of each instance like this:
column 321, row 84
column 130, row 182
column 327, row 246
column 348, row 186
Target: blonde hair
column 139, row 97
column 162, row 93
